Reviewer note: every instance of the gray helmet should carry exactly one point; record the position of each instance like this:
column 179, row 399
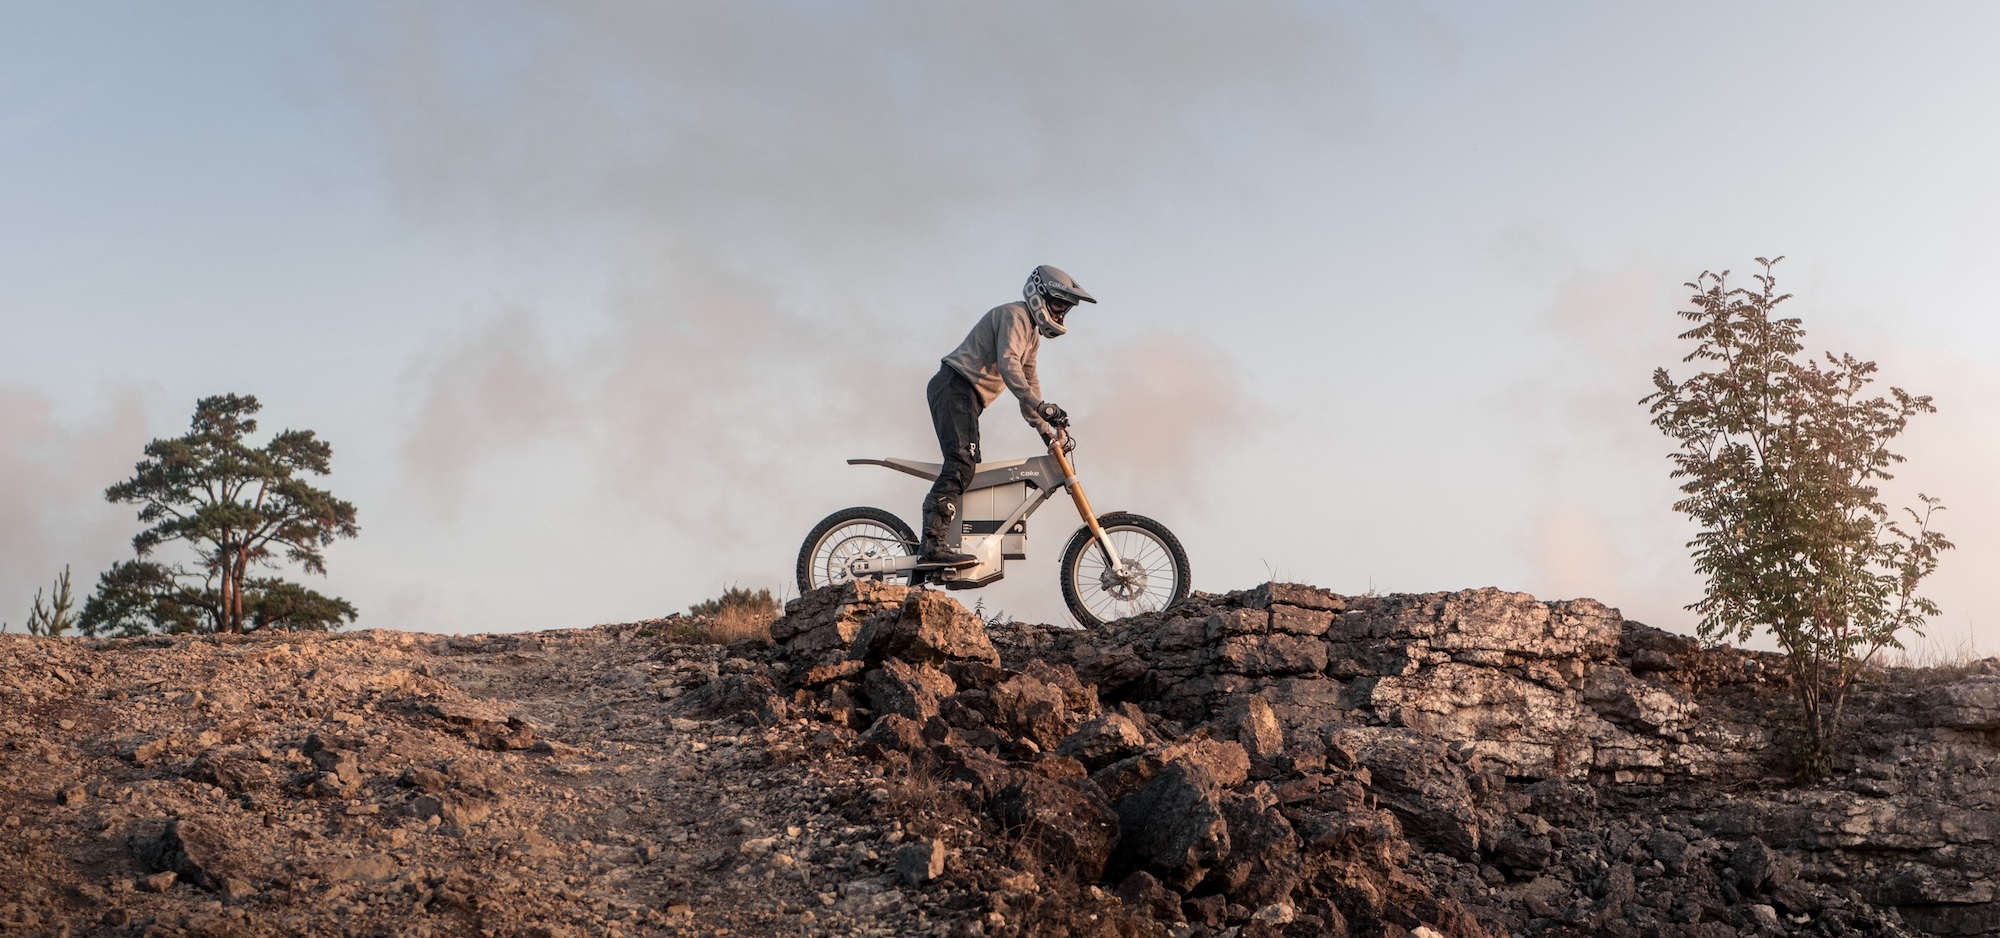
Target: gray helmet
column 1049, row 283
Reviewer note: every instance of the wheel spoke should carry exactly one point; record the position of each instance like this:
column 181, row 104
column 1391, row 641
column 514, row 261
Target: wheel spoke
column 1140, row 551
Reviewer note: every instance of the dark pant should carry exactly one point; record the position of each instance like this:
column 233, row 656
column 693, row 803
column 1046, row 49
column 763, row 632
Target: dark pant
column 955, row 408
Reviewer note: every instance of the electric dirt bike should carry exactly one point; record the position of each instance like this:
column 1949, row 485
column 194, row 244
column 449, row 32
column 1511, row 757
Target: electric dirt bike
column 1116, row 565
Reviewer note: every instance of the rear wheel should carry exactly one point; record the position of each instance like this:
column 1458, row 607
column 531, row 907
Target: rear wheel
column 1152, row 575
column 848, row 535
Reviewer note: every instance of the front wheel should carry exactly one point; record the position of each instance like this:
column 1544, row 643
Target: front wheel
column 848, row 535
column 1152, row 575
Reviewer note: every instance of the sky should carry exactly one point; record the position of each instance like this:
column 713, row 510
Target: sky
column 594, row 300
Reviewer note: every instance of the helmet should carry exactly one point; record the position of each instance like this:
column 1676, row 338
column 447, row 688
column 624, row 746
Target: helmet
column 1048, row 283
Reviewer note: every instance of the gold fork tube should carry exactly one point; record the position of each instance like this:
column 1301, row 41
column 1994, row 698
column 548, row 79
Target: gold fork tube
column 1111, row 559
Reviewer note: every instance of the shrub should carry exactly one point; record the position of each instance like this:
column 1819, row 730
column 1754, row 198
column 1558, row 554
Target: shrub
column 56, row 616
column 1779, row 455
column 737, row 614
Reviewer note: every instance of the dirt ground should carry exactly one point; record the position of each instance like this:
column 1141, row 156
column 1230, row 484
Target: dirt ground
column 383, row 783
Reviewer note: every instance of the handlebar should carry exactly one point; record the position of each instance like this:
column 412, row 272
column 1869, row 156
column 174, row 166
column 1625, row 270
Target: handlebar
column 1062, row 439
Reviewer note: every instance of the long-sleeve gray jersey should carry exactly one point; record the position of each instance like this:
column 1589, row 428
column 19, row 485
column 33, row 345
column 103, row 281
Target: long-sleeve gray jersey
column 1000, row 352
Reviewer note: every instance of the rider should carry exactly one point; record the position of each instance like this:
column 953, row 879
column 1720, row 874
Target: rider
column 999, row 351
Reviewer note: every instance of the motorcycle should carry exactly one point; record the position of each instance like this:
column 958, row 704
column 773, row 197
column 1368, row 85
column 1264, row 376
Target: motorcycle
column 1115, row 565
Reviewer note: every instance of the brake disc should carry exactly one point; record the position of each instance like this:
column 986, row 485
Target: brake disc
column 1127, row 582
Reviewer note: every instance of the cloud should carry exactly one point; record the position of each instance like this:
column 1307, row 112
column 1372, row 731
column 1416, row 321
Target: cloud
column 811, row 125
column 52, row 478
column 693, row 399
column 1163, row 412
column 480, row 391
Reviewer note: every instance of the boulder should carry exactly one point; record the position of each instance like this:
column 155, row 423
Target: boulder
column 1252, row 724
column 931, row 628
column 732, row 694
column 1269, row 654
column 1069, row 821
column 1174, row 827
column 894, row 732
column 911, row 690
column 1142, row 892
column 229, row 772
column 1417, row 779
column 1103, row 741
column 1027, row 707
column 195, row 851
column 1264, row 862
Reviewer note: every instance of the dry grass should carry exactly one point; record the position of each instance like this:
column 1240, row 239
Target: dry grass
column 736, row 623
column 1930, row 660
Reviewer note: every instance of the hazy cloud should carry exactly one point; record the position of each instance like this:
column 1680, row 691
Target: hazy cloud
column 1161, row 414
column 796, row 123
column 52, row 479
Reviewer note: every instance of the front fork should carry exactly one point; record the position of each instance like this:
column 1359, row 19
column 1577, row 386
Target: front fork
column 1111, row 559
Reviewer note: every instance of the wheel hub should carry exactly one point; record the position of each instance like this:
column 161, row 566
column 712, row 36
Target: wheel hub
column 851, row 555
column 1127, row 581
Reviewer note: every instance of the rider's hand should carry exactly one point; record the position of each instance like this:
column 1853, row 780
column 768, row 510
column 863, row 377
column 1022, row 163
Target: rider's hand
column 1055, row 415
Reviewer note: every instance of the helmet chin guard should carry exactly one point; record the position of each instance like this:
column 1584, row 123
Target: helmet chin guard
column 1047, row 283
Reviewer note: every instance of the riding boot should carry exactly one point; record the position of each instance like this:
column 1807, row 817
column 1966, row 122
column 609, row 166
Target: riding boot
column 933, row 549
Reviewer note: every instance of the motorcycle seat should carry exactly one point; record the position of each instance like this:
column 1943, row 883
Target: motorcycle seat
column 928, row 471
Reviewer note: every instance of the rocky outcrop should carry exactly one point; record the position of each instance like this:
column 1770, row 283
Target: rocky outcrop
column 1287, row 760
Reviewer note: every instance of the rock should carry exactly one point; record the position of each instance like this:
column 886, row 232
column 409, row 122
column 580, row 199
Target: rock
column 149, row 752
column 911, row 690
column 1109, row 668
column 375, row 868
column 1263, row 864
column 986, row 775
column 484, row 723
column 1764, row 916
column 1207, row 910
column 1418, row 781
column 1648, row 659
column 158, row 882
column 423, row 779
column 818, row 674
column 931, row 628
column 1562, row 803
column 229, row 773
column 1031, row 708
column 1522, row 852
column 1270, row 654
column 1969, row 704
column 1070, row 821
column 1636, row 704
column 1144, row 893
column 1251, row 723
column 1671, row 850
column 1174, row 827
column 833, row 606
column 198, row 852
column 919, row 863
column 72, row 796
column 733, row 694
column 1103, row 741
column 1758, row 868
column 895, row 732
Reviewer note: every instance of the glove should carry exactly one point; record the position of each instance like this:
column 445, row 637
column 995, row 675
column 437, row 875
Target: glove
column 1055, row 415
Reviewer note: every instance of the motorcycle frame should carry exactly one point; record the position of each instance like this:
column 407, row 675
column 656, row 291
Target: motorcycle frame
column 989, row 548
